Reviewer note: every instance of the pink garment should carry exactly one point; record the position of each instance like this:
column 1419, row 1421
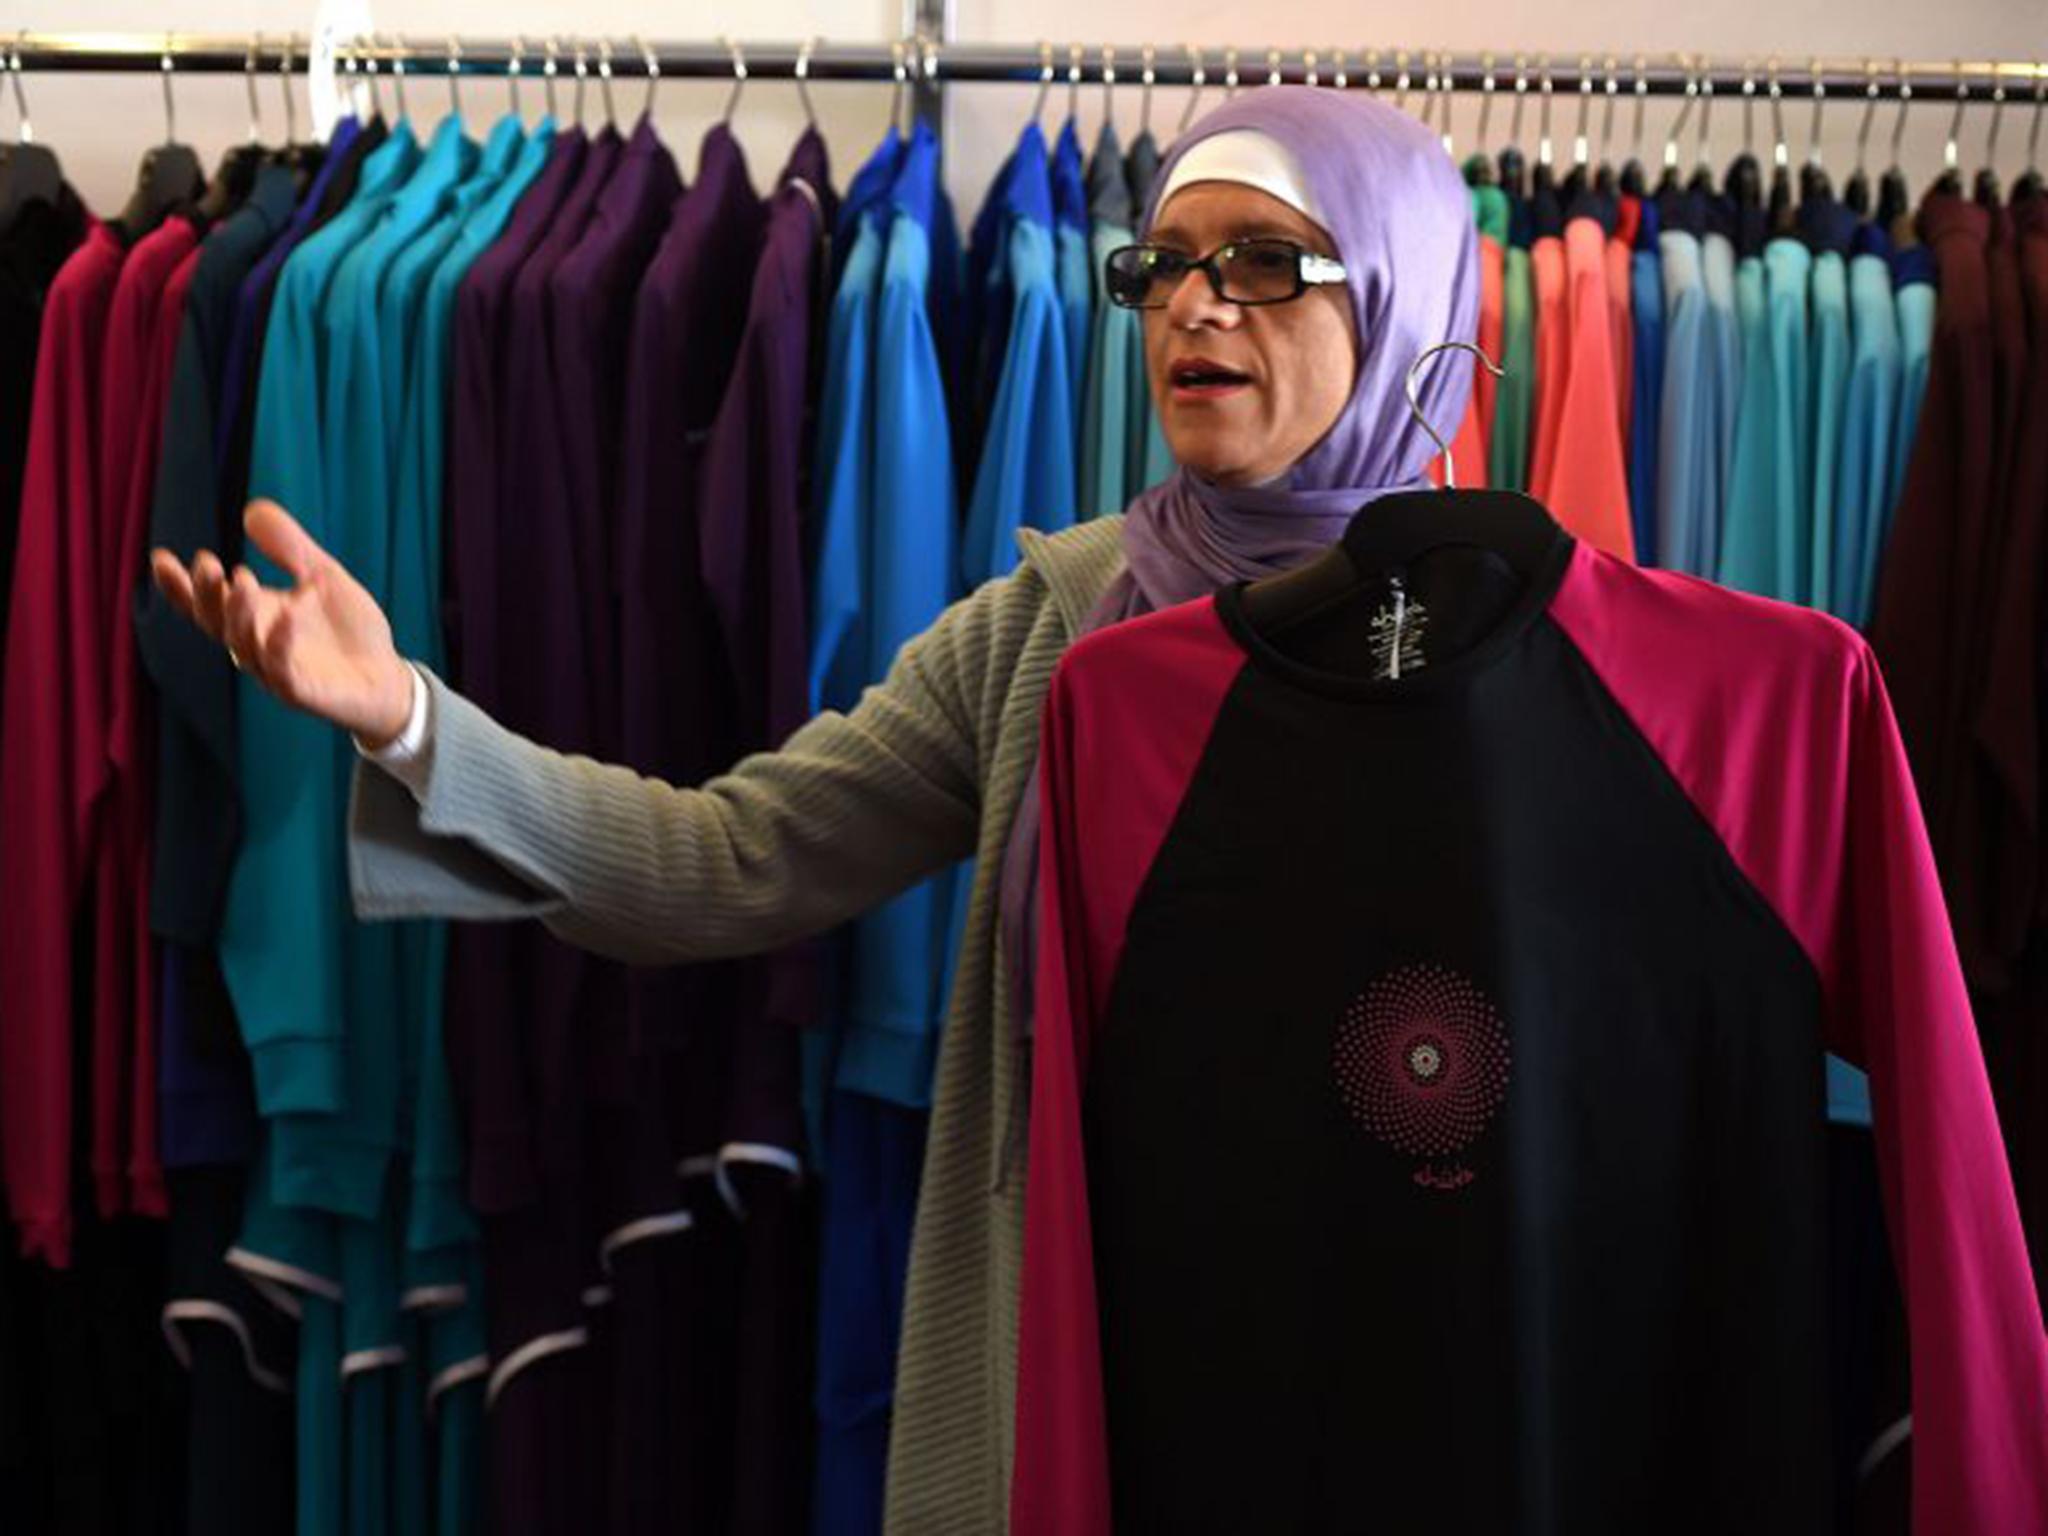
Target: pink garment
column 1773, row 721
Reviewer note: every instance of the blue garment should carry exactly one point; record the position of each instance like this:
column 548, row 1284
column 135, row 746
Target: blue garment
column 1071, row 255
column 1870, row 412
column 1026, row 473
column 1913, row 274
column 1646, row 307
column 888, row 520
column 1828, row 362
column 280, row 944
column 1686, row 478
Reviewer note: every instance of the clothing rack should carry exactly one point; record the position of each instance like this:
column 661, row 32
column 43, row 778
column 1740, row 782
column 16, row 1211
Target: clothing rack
column 926, row 64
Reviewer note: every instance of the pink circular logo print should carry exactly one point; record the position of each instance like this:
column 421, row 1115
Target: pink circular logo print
column 1422, row 1063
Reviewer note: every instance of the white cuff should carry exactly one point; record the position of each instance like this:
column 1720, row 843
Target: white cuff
column 406, row 757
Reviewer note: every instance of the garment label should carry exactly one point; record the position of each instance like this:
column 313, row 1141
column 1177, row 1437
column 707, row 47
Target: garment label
column 1398, row 629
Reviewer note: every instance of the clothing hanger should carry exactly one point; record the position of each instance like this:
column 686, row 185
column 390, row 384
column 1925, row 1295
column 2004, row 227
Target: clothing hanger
column 1605, row 182
column 2029, row 185
column 1986, row 190
column 1037, row 106
column 1634, row 179
column 1856, row 192
column 1197, row 78
column 1392, row 532
column 604, row 82
column 1579, row 177
column 1479, row 168
column 1513, row 164
column 1780, row 198
column 169, row 177
column 1894, row 196
column 1951, row 178
column 803, row 78
column 1701, row 182
column 236, row 173
column 1814, row 183
column 1669, row 183
column 29, row 172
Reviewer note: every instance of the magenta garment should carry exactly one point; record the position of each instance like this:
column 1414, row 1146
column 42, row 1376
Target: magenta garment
column 1630, row 1063
column 1401, row 218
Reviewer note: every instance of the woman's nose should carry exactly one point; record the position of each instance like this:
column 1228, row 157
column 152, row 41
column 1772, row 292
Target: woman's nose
column 1194, row 303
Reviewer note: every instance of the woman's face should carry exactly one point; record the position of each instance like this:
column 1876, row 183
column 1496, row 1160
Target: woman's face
column 1293, row 364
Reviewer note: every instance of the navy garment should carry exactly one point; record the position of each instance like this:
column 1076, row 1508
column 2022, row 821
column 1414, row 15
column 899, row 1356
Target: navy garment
column 197, row 825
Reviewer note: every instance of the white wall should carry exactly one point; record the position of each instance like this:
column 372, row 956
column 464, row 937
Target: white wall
column 100, row 124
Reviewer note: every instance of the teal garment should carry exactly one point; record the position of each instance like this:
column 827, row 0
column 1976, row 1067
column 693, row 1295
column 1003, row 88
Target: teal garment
column 1514, row 393
column 895, row 1000
column 1870, row 408
column 280, row 943
column 1767, row 537
column 374, row 1342
column 1828, row 361
column 1071, row 248
column 1151, row 459
column 338, row 1162
column 1116, row 345
column 1026, row 474
column 439, row 1215
column 317, row 1472
column 1915, row 302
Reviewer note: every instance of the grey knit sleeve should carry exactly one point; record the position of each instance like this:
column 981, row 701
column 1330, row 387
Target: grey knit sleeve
column 850, row 810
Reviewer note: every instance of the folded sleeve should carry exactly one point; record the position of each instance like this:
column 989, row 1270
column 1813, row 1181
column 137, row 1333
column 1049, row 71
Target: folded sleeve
column 853, row 808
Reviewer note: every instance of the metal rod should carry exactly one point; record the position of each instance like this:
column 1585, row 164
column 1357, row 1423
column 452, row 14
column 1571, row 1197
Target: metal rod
column 938, row 63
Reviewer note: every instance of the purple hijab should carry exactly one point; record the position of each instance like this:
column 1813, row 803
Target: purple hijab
column 1401, row 218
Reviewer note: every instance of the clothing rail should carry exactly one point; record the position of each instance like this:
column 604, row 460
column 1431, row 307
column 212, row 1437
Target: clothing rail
column 928, row 64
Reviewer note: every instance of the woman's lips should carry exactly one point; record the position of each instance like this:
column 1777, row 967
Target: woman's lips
column 1201, row 378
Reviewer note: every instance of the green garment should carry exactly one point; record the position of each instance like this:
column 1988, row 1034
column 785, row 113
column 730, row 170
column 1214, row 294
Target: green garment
column 1514, row 395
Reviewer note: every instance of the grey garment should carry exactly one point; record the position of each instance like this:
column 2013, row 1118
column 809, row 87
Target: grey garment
column 927, row 768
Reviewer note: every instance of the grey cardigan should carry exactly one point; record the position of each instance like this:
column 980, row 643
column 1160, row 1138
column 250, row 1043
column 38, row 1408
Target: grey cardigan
column 928, row 768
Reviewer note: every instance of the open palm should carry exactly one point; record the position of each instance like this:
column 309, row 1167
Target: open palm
column 322, row 645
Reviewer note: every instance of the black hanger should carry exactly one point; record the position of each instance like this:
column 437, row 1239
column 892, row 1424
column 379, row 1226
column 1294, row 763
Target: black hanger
column 170, row 176
column 1391, row 532
column 29, row 172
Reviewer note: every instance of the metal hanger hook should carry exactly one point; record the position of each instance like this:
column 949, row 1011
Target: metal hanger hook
column 1273, row 73
column 1310, row 73
column 24, row 131
column 513, row 68
column 1147, row 76
column 1198, row 76
column 1415, row 402
column 1635, row 143
column 1612, row 87
column 1581, row 144
column 739, row 76
column 1489, row 87
column 249, row 80
column 1870, row 96
column 604, row 79
column 1997, row 112
column 1229, row 73
column 1044, row 80
column 454, row 74
column 1820, row 96
column 1521, row 95
column 2040, row 99
column 284, row 82
column 397, row 45
column 803, row 79
column 550, row 67
column 1074, row 52
column 1955, row 124
column 1705, row 150
column 170, row 104
column 1108, row 83
column 581, row 64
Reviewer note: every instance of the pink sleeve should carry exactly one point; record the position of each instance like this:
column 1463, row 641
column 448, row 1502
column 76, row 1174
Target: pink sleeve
column 1127, row 716
column 1898, row 1004
column 1775, row 722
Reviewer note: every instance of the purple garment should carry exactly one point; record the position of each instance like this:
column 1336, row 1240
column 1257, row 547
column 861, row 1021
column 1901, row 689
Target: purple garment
column 1401, row 218
column 490, row 1080
column 751, row 497
column 526, row 1142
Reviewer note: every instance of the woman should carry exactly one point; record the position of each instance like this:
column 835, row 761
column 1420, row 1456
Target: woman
column 1278, row 377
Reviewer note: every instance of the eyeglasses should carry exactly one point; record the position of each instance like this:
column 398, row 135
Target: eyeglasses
column 1242, row 272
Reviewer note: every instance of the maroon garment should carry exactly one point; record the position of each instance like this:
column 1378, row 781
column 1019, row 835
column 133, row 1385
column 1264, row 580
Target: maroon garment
column 141, row 344
column 1933, row 581
column 53, row 746
column 1999, row 811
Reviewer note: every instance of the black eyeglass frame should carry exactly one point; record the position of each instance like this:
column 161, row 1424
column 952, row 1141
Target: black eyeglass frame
column 1312, row 269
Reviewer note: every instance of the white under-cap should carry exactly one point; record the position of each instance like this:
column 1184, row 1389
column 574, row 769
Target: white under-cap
column 1250, row 157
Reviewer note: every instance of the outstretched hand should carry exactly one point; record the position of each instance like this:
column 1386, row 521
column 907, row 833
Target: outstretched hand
column 322, row 645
